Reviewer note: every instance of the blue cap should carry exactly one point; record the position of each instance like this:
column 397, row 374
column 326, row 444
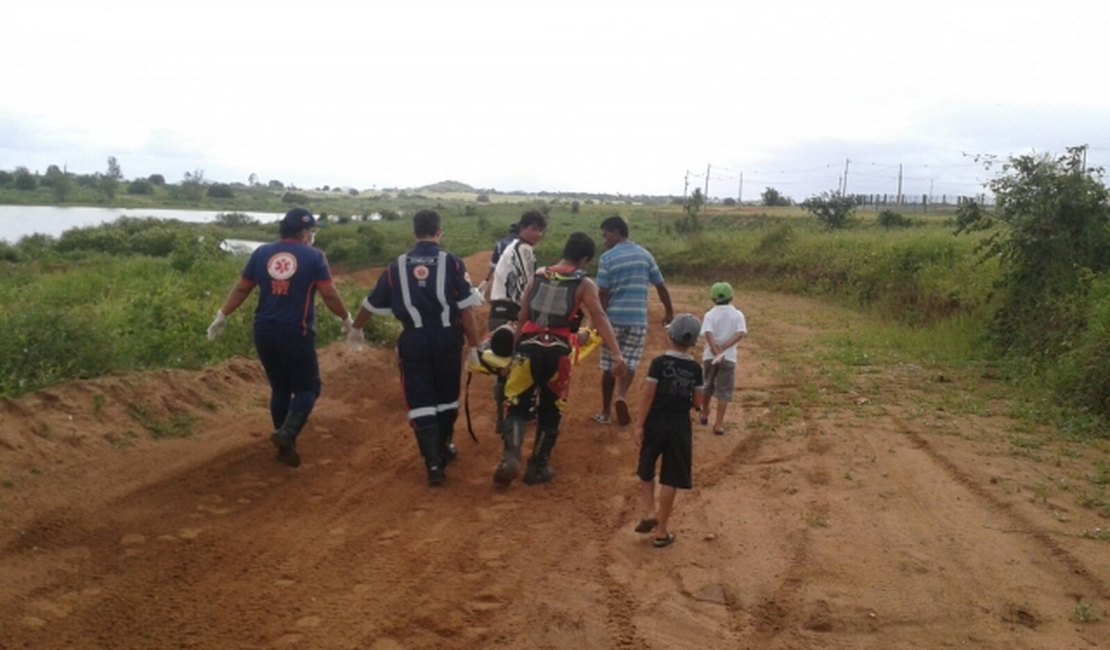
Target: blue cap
column 296, row 220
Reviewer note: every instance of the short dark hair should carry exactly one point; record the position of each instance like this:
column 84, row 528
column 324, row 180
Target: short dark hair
column 616, row 223
column 579, row 247
column 425, row 223
column 533, row 218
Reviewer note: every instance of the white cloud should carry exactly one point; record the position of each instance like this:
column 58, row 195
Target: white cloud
column 595, row 96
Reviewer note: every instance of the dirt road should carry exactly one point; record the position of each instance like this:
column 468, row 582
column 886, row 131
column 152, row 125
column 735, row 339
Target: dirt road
column 842, row 509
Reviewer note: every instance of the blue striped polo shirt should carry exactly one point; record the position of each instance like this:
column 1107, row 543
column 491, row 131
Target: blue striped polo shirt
column 627, row 270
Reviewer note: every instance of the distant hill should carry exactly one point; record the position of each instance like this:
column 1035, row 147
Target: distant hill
column 447, row 186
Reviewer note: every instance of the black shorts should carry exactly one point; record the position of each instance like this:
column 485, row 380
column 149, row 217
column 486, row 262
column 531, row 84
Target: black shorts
column 670, row 438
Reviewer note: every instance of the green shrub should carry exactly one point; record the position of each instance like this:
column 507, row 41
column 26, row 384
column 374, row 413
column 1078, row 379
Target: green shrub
column 295, row 198
column 892, row 219
column 140, row 187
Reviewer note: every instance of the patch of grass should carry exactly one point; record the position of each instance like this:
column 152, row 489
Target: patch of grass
column 36, row 471
column 1084, row 613
column 177, row 426
column 1101, row 534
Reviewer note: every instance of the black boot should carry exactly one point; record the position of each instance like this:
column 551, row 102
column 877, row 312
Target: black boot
column 513, row 438
column 285, row 439
column 447, row 449
column 539, row 468
column 428, row 440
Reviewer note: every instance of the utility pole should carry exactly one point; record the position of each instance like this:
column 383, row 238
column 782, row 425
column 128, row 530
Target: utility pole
column 706, row 197
column 686, row 185
column 740, row 191
column 899, row 201
column 844, row 191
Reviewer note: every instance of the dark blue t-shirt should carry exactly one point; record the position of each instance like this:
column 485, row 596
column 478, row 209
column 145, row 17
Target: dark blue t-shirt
column 426, row 287
column 287, row 273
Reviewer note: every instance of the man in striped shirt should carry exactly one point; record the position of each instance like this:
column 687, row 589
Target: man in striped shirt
column 624, row 273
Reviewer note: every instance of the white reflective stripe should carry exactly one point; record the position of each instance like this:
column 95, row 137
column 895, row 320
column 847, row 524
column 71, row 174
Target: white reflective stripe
column 406, row 295
column 453, row 406
column 423, row 411
column 441, row 290
column 380, row 311
column 473, row 300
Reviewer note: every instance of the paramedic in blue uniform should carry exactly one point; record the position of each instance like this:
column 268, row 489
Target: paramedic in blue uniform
column 288, row 274
column 429, row 291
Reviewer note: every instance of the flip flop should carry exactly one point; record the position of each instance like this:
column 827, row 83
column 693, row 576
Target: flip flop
column 600, row 418
column 663, row 542
column 623, row 416
column 646, row 525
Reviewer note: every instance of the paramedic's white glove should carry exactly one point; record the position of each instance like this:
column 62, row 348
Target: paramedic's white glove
column 356, row 340
column 484, row 289
column 348, row 325
column 481, row 296
column 218, row 325
column 472, row 360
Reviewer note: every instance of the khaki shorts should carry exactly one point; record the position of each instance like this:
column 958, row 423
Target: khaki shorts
column 720, row 379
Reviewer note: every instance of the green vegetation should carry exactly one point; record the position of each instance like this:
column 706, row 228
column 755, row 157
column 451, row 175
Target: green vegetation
column 1025, row 289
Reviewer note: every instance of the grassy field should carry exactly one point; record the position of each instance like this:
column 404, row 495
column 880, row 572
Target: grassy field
column 139, row 293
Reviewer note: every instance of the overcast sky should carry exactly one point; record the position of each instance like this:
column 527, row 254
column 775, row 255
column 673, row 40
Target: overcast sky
column 601, row 96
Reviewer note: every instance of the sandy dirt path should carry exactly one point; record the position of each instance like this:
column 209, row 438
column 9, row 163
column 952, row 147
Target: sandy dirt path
column 858, row 511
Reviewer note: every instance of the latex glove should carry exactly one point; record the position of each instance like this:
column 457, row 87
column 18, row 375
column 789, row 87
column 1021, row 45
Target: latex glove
column 472, row 360
column 218, row 325
column 356, row 340
column 483, row 287
column 481, row 296
column 348, row 325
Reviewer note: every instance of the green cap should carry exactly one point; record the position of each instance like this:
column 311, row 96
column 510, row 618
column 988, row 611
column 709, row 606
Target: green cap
column 720, row 291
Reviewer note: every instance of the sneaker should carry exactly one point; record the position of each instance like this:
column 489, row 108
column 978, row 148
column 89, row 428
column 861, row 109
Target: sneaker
column 436, row 476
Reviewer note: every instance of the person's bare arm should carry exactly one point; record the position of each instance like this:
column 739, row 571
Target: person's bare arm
column 236, row 296
column 470, row 327
column 665, row 298
column 592, row 304
column 333, row 301
column 641, row 416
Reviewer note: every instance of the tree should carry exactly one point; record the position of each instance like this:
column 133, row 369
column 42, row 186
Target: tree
column 771, row 198
column 109, row 181
column 1050, row 231
column 220, row 191
column 157, row 179
column 140, row 186
column 693, row 204
column 61, row 185
column 24, row 179
column 252, row 180
column 832, row 209
column 276, row 185
column 192, row 187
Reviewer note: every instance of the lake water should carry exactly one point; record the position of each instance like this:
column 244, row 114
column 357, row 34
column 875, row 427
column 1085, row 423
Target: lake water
column 18, row 221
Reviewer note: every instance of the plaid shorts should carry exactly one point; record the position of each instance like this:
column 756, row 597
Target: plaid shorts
column 631, row 342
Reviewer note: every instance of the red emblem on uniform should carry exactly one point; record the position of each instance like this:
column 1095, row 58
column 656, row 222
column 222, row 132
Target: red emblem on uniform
column 281, row 266
column 420, row 273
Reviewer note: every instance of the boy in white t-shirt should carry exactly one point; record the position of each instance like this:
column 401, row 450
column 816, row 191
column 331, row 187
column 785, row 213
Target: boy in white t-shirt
column 722, row 327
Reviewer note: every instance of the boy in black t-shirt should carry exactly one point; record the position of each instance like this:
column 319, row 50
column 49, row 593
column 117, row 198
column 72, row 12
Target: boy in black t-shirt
column 673, row 387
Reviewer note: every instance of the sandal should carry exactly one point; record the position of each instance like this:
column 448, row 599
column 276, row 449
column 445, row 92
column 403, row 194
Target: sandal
column 646, row 525
column 663, row 542
column 624, row 418
column 600, row 418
